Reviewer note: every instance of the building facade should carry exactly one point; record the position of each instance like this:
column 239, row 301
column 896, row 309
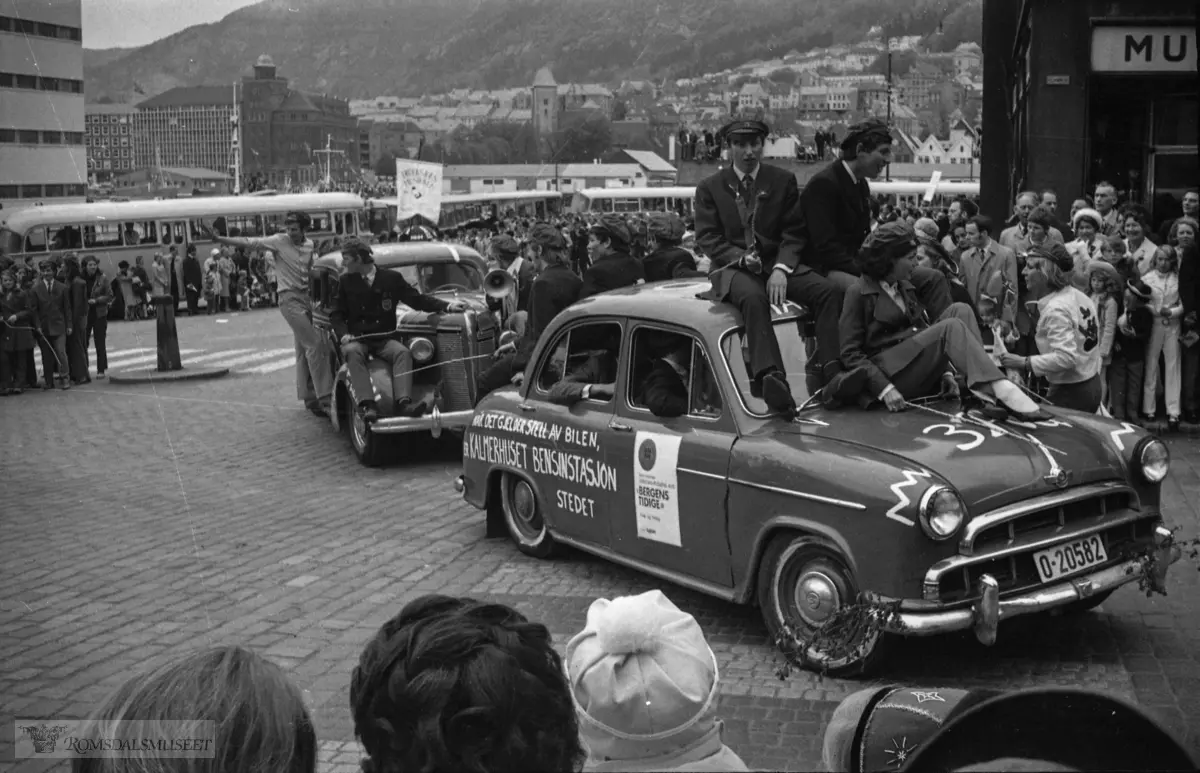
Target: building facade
column 187, row 126
column 42, row 155
column 1092, row 90
column 108, row 138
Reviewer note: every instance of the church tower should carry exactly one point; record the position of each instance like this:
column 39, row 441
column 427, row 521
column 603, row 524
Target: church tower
column 545, row 103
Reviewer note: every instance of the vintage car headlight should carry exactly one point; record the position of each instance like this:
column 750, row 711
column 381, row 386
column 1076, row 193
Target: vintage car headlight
column 422, row 349
column 1154, row 460
column 942, row 513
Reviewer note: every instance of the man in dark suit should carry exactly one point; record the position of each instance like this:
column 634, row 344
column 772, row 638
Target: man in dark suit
column 52, row 317
column 193, row 280
column 555, row 288
column 665, row 388
column 366, row 306
column 666, row 259
column 748, row 223
column 836, row 212
column 612, row 266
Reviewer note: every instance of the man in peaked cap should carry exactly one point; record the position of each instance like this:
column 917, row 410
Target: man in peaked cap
column 666, row 258
column 555, row 288
column 507, row 253
column 612, row 266
column 747, row 222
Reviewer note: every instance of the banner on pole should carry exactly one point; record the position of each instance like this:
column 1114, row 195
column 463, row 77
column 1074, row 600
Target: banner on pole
column 418, row 189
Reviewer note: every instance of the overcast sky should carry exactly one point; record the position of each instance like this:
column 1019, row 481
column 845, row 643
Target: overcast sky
column 123, row 23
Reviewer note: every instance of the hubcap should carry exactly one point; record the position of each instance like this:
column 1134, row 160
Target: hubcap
column 524, row 506
column 359, row 428
column 816, row 598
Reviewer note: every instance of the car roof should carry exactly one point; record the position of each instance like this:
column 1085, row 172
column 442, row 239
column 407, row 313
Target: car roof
column 396, row 254
column 676, row 302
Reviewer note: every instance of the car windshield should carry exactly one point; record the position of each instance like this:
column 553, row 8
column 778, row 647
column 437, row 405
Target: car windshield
column 432, row 277
column 790, row 334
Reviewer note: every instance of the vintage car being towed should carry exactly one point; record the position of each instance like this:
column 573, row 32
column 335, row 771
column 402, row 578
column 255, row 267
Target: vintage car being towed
column 449, row 350
column 950, row 520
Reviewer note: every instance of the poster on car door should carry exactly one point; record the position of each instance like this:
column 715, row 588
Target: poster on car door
column 656, row 486
column 418, row 189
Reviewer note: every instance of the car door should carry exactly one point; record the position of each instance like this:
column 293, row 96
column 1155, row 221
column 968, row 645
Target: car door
column 672, row 513
column 569, row 454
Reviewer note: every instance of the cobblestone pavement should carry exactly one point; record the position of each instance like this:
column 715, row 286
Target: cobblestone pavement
column 138, row 521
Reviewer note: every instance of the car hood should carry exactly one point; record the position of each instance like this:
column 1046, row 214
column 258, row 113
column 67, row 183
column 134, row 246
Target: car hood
column 991, row 464
column 476, row 301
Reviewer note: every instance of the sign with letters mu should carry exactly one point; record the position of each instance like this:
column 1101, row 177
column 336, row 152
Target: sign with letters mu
column 1144, row 49
column 418, row 189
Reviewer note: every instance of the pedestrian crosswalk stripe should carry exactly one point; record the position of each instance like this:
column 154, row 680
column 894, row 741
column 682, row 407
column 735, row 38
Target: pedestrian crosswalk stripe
column 256, row 357
column 271, row 367
column 205, row 358
column 117, row 353
column 125, row 362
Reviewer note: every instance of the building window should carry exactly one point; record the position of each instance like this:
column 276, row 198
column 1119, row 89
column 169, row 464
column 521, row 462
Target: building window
column 55, row 191
column 31, row 191
column 35, row 83
column 27, row 137
column 9, row 191
column 52, row 138
column 40, row 29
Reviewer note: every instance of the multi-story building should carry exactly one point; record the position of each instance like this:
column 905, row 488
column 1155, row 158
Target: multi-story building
column 42, row 155
column 108, row 137
column 187, row 126
column 283, row 131
column 382, row 136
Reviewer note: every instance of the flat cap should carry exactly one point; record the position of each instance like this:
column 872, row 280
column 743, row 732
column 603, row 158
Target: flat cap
column 356, row 247
column 614, row 226
column 547, row 236
column 745, row 127
column 872, row 128
column 1054, row 252
column 896, row 238
column 927, row 229
column 506, row 246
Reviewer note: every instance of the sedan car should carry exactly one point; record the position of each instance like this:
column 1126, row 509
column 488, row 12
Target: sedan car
column 953, row 521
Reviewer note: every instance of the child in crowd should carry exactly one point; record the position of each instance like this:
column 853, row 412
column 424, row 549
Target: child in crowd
column 645, row 685
column 1105, row 287
column 243, row 291
column 1126, row 369
column 246, row 706
column 212, row 288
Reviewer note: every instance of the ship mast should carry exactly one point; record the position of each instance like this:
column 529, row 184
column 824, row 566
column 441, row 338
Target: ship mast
column 329, row 153
column 237, row 143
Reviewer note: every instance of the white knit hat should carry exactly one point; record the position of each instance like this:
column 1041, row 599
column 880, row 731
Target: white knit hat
column 642, row 675
column 1089, row 213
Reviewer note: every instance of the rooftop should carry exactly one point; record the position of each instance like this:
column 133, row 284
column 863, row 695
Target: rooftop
column 122, row 108
column 190, row 96
column 650, row 160
column 544, row 78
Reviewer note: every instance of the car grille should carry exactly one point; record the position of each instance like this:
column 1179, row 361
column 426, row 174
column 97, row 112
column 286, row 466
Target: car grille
column 453, row 372
column 1066, row 515
column 1017, row 573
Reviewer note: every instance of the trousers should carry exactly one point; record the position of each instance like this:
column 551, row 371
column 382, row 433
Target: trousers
column 12, row 370
column 314, row 376
column 1164, row 339
column 1080, row 396
column 1125, row 386
column 97, row 330
column 54, row 357
column 953, row 340
column 390, row 351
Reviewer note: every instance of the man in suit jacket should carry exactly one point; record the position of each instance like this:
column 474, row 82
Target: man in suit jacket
column 985, row 260
column 836, row 211
column 507, row 254
column 611, row 265
column 52, row 317
column 1016, row 237
column 555, row 288
column 366, row 305
column 193, row 281
column 665, row 388
column 666, row 258
column 748, row 224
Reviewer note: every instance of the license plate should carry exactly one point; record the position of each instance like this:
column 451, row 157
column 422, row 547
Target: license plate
column 1060, row 561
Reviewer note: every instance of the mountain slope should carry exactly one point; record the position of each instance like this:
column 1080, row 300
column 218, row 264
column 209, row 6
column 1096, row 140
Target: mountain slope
column 361, row 48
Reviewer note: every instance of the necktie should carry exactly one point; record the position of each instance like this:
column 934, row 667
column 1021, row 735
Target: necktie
column 746, row 190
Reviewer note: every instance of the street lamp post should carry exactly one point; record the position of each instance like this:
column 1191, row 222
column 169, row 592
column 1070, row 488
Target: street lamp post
column 888, row 43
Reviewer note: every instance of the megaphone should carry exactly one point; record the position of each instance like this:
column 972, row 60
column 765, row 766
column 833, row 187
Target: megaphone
column 498, row 283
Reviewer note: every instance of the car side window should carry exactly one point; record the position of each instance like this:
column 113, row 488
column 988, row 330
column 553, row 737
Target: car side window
column 655, row 355
column 586, row 353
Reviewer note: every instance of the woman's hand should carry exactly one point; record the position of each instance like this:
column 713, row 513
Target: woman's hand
column 1012, row 361
column 894, row 400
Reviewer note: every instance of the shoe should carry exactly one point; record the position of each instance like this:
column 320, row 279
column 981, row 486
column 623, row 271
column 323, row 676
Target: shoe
column 100, row 374
column 1172, row 424
column 844, row 387
column 1038, row 415
column 777, row 394
column 368, row 411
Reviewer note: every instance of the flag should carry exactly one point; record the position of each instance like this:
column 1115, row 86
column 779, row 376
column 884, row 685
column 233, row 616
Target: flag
column 419, row 190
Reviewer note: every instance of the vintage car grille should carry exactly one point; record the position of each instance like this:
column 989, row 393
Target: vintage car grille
column 1016, row 572
column 454, row 373
column 1065, row 515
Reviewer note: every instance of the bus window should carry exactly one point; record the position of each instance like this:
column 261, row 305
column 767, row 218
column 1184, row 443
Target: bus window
column 626, row 205
column 174, row 233
column 656, row 205
column 321, row 222
column 10, row 242
column 35, row 240
column 133, row 234
column 243, row 225
column 351, row 227
column 102, row 235
column 274, row 224
column 65, row 237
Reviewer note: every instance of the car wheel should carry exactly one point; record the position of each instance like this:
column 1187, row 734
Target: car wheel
column 367, row 445
column 802, row 585
column 523, row 517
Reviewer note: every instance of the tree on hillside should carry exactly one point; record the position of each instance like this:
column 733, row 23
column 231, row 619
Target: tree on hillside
column 619, row 110
column 582, row 138
column 783, row 75
column 902, row 62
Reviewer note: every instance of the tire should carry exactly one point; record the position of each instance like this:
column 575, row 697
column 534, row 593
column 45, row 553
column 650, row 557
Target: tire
column 368, row 446
column 802, row 582
column 523, row 517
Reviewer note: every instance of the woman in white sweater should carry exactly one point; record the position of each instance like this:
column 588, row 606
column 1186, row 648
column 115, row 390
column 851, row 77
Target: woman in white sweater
column 1163, row 281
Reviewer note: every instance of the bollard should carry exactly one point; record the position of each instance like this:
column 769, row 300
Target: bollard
column 168, row 338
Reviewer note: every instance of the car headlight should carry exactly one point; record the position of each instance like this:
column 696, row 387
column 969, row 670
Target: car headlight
column 942, row 513
column 1154, row 460
column 422, row 349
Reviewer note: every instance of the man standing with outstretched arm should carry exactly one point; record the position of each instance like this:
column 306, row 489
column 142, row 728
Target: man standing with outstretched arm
column 293, row 258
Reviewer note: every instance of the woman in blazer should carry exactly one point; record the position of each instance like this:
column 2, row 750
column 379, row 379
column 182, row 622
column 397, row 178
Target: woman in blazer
column 16, row 335
column 886, row 330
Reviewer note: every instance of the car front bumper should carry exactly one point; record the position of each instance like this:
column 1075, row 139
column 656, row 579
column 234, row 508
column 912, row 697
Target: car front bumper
column 985, row 614
column 434, row 421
